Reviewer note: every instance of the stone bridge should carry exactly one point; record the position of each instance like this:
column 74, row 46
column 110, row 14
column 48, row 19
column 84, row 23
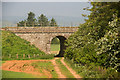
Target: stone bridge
column 41, row 37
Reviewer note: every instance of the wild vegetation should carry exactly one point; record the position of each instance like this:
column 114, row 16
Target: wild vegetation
column 97, row 42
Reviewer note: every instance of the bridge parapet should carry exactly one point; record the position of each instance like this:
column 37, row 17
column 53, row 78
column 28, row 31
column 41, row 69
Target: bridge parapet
column 42, row 29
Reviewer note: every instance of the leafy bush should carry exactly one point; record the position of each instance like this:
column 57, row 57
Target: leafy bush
column 80, row 46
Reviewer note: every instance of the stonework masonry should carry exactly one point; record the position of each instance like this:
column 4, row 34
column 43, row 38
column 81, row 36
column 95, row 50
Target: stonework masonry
column 41, row 37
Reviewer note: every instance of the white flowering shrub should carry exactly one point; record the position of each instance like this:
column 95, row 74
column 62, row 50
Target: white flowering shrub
column 87, row 47
column 108, row 47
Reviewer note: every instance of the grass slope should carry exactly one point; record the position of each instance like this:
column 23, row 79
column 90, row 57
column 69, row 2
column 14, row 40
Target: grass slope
column 12, row 44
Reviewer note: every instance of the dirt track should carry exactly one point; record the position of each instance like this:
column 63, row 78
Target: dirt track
column 24, row 66
column 57, row 69
column 70, row 69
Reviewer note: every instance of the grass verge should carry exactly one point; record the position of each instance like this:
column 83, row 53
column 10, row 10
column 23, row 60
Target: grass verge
column 91, row 71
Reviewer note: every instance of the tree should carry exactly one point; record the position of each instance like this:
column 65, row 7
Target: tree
column 42, row 20
column 31, row 19
column 101, row 14
column 53, row 22
column 21, row 24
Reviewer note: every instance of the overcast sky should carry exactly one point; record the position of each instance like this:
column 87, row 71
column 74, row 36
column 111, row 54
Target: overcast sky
column 50, row 9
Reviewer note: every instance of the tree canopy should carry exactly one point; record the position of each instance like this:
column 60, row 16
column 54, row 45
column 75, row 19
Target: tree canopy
column 31, row 19
column 42, row 20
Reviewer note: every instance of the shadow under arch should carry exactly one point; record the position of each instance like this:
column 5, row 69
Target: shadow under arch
column 62, row 46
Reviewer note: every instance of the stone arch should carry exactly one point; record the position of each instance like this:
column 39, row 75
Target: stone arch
column 62, row 45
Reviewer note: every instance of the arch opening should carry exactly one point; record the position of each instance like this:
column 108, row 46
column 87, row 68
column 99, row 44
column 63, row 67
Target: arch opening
column 57, row 44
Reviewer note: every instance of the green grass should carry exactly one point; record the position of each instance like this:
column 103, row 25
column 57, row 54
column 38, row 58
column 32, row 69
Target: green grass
column 64, row 70
column 12, row 44
column 55, row 47
column 47, row 66
column 11, row 74
column 3, row 61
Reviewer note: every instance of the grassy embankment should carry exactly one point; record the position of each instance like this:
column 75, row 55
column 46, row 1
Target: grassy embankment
column 12, row 45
